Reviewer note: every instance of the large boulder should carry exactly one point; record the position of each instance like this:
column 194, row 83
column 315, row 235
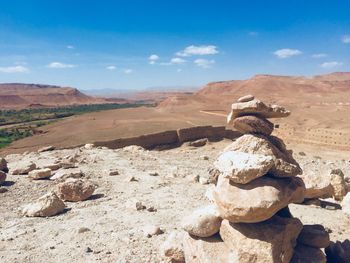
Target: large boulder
column 253, row 124
column 47, row 205
column 257, row 108
column 2, row 177
column 23, row 167
column 337, row 181
column 306, row 254
column 203, row 222
column 40, row 174
column 317, row 184
column 284, row 163
column 257, row 201
column 314, row 236
column 207, row 250
column 242, row 167
column 75, row 190
column 272, row 240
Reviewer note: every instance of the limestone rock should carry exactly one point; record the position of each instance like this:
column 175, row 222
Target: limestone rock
column 207, row 250
column 246, row 98
column 314, row 236
column 257, row 108
column 46, row 149
column 2, row 177
column 338, row 252
column 67, row 173
column 257, row 201
column 345, row 204
column 284, row 163
column 305, row 254
column 253, row 124
column 242, row 167
column 152, row 230
column 23, row 167
column 89, row 146
column 40, row 174
column 75, row 190
column 272, row 240
column 338, row 184
column 198, row 143
column 203, row 222
column 172, row 248
column 47, row 205
column 3, row 165
column 317, row 185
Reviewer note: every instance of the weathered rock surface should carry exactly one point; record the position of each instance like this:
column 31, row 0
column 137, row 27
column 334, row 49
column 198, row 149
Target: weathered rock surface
column 67, row 173
column 305, row 254
column 207, row 250
column 40, row 174
column 257, row 201
column 246, row 98
column 75, row 190
column 338, row 252
column 2, row 177
column 314, row 236
column 345, row 204
column 284, row 163
column 242, row 167
column 47, row 205
column 272, row 240
column 46, row 149
column 203, row 222
column 152, row 230
column 257, row 108
column 253, row 124
column 172, row 248
column 23, row 167
column 338, row 184
column 317, row 185
column 198, row 143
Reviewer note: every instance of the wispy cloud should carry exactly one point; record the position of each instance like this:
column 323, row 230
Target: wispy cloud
column 128, row 71
column 14, row 69
column 198, row 50
column 174, row 61
column 70, row 47
column 346, row 39
column 331, row 64
column 287, row 52
column 204, row 63
column 111, row 67
column 319, row 55
column 153, row 58
column 60, row 65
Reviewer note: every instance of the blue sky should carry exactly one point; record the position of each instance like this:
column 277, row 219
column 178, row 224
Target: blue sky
column 139, row 44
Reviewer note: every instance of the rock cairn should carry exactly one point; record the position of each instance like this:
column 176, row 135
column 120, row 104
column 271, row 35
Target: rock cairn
column 249, row 219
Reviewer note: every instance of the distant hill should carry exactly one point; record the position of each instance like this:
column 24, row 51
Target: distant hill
column 18, row 95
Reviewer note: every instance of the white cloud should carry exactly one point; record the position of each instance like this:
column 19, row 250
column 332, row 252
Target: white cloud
column 287, row 52
column 111, row 67
column 153, row 58
column 14, row 69
column 177, row 61
column 128, row 71
column 204, row 63
column 319, row 55
column 198, row 50
column 331, row 64
column 60, row 65
column 346, row 39
column 70, row 47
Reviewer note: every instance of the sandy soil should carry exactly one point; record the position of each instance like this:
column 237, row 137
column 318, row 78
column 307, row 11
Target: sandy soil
column 115, row 226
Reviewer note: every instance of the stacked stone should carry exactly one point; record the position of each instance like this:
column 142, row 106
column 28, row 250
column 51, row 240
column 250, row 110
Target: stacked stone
column 249, row 220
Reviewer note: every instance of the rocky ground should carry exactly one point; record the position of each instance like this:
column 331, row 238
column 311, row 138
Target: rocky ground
column 151, row 188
